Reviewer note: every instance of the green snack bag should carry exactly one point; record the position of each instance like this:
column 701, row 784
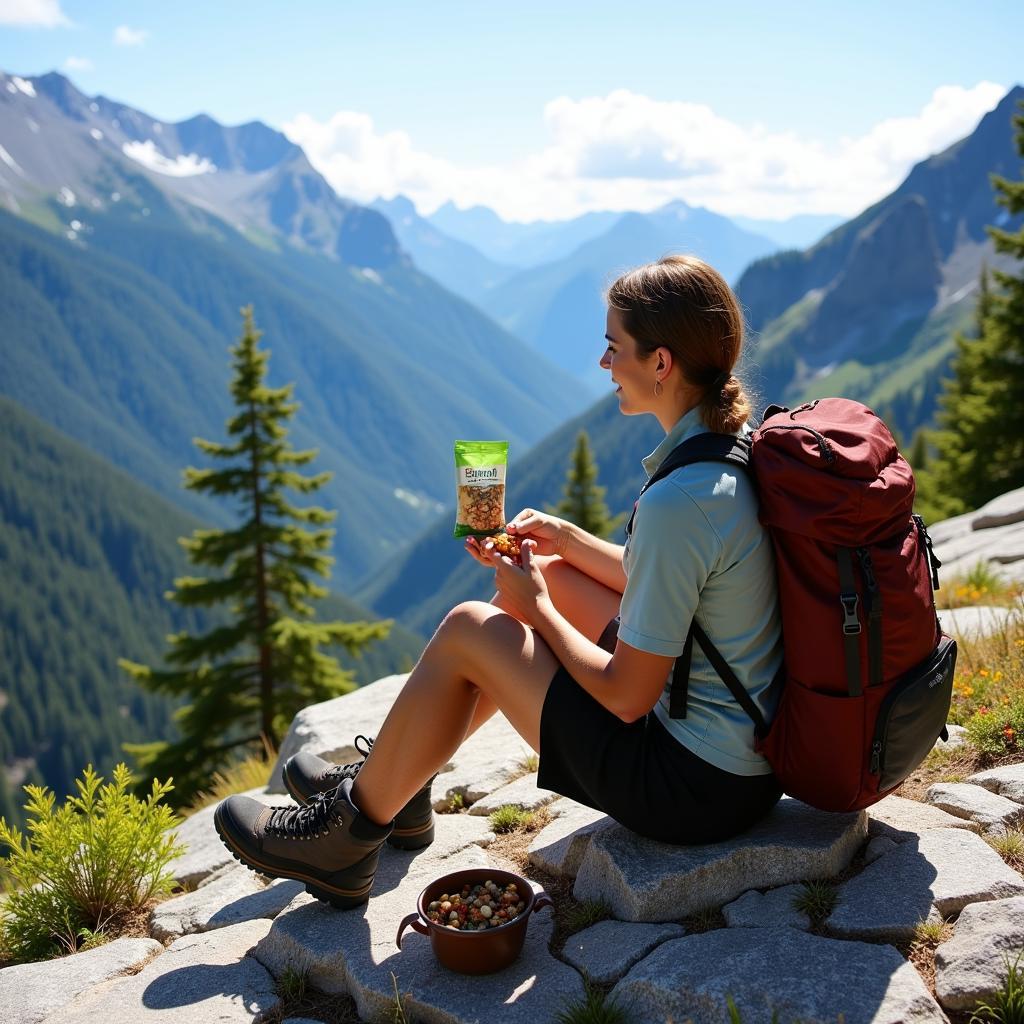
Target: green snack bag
column 480, row 487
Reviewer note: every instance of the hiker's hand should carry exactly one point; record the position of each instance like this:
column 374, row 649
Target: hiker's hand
column 549, row 533
column 522, row 589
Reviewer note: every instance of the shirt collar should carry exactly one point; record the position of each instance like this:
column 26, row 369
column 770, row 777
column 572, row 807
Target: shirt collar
column 686, row 427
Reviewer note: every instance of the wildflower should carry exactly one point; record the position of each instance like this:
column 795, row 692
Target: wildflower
column 983, row 673
column 1009, row 732
column 968, row 691
column 982, row 710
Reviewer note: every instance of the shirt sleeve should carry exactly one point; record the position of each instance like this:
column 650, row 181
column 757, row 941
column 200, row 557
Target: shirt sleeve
column 673, row 551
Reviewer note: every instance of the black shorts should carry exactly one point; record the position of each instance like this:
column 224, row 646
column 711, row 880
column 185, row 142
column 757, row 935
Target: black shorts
column 637, row 773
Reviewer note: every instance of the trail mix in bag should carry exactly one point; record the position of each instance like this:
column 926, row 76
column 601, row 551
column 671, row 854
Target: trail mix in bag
column 480, row 487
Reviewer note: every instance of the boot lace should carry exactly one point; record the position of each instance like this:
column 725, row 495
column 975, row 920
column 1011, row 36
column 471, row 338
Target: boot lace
column 306, row 822
column 338, row 772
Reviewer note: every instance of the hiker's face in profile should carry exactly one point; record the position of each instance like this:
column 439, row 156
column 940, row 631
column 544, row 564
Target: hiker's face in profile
column 634, row 378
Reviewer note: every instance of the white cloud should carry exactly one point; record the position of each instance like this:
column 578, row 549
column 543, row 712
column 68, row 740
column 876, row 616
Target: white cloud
column 182, row 166
column 38, row 13
column 78, row 64
column 628, row 151
column 125, row 36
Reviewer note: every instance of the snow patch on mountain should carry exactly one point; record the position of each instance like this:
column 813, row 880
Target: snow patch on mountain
column 10, row 161
column 184, row 166
column 96, row 134
column 23, row 86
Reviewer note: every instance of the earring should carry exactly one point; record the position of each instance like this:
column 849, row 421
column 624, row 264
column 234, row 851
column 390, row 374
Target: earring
column 657, row 389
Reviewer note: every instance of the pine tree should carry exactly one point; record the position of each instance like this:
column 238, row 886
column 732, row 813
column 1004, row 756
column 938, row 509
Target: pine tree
column 980, row 446
column 583, row 501
column 245, row 679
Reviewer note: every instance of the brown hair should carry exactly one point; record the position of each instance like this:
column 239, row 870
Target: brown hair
column 685, row 305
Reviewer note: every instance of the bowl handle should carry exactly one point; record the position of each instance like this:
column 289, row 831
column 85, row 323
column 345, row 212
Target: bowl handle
column 417, row 925
column 541, row 900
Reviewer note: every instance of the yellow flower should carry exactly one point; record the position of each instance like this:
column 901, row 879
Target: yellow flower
column 983, row 673
column 968, row 691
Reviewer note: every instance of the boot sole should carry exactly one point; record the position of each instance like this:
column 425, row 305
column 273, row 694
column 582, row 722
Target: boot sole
column 414, row 837
column 341, row 898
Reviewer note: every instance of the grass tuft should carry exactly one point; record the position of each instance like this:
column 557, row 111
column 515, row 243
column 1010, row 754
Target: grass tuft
column 252, row 773
column 817, row 900
column 585, row 914
column 1007, row 1005
column 594, row 1008
column 510, row 818
column 1010, row 847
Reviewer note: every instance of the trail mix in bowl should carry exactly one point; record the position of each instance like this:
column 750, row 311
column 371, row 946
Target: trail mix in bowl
column 476, row 908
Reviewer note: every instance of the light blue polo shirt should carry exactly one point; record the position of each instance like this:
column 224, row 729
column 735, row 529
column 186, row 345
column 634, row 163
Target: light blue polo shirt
column 698, row 549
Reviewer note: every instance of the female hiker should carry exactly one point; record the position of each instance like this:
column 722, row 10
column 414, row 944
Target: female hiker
column 577, row 647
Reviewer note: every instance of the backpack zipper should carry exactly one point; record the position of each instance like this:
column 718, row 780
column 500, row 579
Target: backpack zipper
column 827, row 452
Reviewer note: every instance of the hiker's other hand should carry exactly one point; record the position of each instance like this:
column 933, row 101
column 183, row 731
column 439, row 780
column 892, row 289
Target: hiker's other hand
column 475, row 547
column 525, row 588
column 549, row 533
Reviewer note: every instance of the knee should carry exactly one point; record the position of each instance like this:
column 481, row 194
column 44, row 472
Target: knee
column 465, row 619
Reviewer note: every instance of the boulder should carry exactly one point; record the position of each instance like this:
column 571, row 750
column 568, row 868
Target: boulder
column 973, row 621
column 523, row 792
column 29, row 993
column 237, row 895
column 204, row 978
column 644, row 880
column 1007, row 781
column 933, row 875
column 559, row 847
column 775, row 971
column 606, row 950
column 971, row 966
column 899, row 819
column 995, row 814
column 771, row 909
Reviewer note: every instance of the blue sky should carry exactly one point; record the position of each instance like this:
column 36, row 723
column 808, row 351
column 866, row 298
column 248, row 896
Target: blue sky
column 547, row 109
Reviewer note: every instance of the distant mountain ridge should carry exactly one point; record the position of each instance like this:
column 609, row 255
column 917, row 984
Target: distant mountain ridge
column 122, row 311
column 250, row 176
column 869, row 311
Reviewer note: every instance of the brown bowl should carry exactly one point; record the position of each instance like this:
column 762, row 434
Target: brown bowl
column 474, row 952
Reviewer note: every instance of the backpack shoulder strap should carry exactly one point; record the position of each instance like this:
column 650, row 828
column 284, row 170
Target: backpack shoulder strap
column 735, row 451
column 704, row 447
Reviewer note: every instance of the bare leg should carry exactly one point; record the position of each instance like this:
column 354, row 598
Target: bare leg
column 584, row 602
column 477, row 650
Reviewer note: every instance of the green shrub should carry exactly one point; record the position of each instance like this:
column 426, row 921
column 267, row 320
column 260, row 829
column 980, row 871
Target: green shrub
column 85, row 866
column 1007, row 1005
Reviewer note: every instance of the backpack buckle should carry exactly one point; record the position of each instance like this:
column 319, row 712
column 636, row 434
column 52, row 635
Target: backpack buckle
column 851, row 624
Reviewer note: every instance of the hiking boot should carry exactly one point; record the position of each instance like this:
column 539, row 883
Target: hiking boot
column 328, row 844
column 306, row 775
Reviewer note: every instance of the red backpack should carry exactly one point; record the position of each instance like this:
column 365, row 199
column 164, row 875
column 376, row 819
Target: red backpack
column 867, row 673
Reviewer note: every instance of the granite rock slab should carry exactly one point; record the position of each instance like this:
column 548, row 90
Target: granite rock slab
column 771, row 909
column 1003, row 509
column 237, row 895
column 205, row 852
column 900, row 819
column 202, row 978
column 606, row 950
column 994, row 813
column 644, row 880
column 1007, row 781
column 879, row 847
column 971, row 966
column 973, row 621
column 29, row 993
column 355, row 952
column 934, row 875
column 770, row 971
column 558, row 848
column 523, row 792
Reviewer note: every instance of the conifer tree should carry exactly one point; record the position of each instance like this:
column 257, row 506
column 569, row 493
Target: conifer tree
column 980, row 446
column 245, row 679
column 583, row 501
